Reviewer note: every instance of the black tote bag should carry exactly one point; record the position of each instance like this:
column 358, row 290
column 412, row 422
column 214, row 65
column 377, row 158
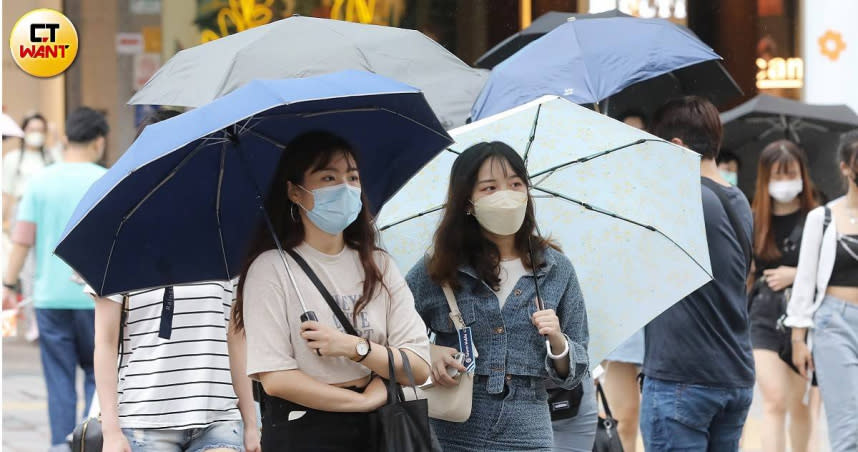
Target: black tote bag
column 607, row 437
column 403, row 425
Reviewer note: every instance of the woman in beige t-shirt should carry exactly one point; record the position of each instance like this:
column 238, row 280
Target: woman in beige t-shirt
column 319, row 381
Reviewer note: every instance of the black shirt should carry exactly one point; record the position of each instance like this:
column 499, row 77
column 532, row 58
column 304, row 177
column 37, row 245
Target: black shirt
column 787, row 231
column 705, row 339
column 845, row 271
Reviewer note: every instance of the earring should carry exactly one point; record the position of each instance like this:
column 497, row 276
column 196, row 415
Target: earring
column 292, row 213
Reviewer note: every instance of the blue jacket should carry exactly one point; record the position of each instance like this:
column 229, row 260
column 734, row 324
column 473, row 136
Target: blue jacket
column 506, row 340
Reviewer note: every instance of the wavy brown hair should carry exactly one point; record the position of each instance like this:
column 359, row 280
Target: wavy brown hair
column 780, row 153
column 309, row 152
column 459, row 239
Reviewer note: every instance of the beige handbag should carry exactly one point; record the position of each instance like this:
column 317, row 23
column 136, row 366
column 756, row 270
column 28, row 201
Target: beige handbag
column 451, row 404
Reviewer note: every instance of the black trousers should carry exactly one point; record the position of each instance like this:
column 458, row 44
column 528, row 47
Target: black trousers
column 314, row 431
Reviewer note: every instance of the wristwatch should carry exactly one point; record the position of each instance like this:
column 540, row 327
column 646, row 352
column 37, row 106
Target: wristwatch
column 362, row 348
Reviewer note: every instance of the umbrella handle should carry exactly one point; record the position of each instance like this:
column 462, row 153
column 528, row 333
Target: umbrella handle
column 310, row 316
column 548, row 346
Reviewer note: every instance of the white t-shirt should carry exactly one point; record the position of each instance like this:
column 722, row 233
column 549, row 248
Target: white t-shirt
column 272, row 313
column 510, row 272
column 183, row 382
column 17, row 169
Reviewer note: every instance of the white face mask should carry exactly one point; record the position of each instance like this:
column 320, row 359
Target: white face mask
column 502, row 212
column 34, row 139
column 785, row 191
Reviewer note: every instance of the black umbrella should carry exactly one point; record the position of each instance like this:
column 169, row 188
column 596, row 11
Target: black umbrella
column 709, row 79
column 751, row 126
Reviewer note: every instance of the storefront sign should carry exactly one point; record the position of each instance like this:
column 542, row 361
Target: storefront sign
column 664, row 9
column 780, row 73
column 830, row 50
column 145, row 6
column 129, row 43
column 145, row 66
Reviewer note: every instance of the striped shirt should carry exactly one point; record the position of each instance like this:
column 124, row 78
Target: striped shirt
column 183, row 382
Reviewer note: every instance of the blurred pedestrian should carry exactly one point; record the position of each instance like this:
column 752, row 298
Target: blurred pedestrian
column 635, row 118
column 729, row 166
column 64, row 313
column 197, row 362
column 782, row 200
column 698, row 367
column 482, row 253
column 318, row 382
column 825, row 299
column 19, row 165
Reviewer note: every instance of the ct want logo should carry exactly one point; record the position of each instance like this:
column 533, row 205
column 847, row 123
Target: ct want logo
column 43, row 43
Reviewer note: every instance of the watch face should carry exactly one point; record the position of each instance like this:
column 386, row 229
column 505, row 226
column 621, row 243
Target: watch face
column 362, row 348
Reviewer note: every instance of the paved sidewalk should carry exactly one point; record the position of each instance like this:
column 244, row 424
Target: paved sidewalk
column 25, row 419
column 25, row 410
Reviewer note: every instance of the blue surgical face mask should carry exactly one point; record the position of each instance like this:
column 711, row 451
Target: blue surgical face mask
column 334, row 208
column 730, row 177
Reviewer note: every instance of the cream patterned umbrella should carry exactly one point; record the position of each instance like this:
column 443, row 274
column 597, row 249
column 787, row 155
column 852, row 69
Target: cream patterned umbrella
column 624, row 205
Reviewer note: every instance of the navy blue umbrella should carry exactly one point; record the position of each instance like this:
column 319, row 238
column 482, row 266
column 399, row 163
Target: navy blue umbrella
column 589, row 61
column 181, row 204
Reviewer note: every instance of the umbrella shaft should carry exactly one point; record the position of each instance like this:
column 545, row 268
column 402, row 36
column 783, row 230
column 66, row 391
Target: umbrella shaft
column 291, row 277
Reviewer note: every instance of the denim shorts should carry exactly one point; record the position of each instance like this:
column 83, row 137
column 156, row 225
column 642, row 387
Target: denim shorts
column 515, row 420
column 219, row 435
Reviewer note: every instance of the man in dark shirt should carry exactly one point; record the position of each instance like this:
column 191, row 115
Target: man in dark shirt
column 698, row 367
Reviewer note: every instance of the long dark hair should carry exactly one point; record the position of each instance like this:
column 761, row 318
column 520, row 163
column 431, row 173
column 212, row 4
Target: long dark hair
column 781, row 153
column 849, row 153
column 156, row 117
column 307, row 152
column 459, row 239
column 27, row 120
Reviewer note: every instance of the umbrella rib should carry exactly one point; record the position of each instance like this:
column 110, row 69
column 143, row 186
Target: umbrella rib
column 358, row 110
column 269, row 224
column 532, row 133
column 412, row 217
column 585, row 159
column 218, row 209
column 596, row 209
column 270, row 140
column 134, row 209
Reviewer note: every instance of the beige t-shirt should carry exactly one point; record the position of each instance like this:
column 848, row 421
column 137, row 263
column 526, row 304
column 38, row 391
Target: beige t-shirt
column 272, row 313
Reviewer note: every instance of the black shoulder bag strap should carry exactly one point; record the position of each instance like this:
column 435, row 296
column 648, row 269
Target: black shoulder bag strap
column 123, row 316
column 341, row 316
column 827, row 220
column 733, row 217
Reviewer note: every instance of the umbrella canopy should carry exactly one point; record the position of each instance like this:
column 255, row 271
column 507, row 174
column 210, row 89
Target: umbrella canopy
column 751, row 126
column 198, row 75
column 589, row 61
column 182, row 203
column 8, row 127
column 624, row 205
column 538, row 28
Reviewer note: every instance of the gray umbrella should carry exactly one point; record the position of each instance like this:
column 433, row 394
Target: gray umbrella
column 304, row 46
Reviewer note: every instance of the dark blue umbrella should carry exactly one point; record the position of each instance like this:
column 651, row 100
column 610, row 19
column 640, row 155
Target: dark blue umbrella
column 181, row 204
column 588, row 61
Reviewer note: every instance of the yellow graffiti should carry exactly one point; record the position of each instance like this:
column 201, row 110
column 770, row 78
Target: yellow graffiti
column 240, row 15
column 379, row 12
column 355, row 10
